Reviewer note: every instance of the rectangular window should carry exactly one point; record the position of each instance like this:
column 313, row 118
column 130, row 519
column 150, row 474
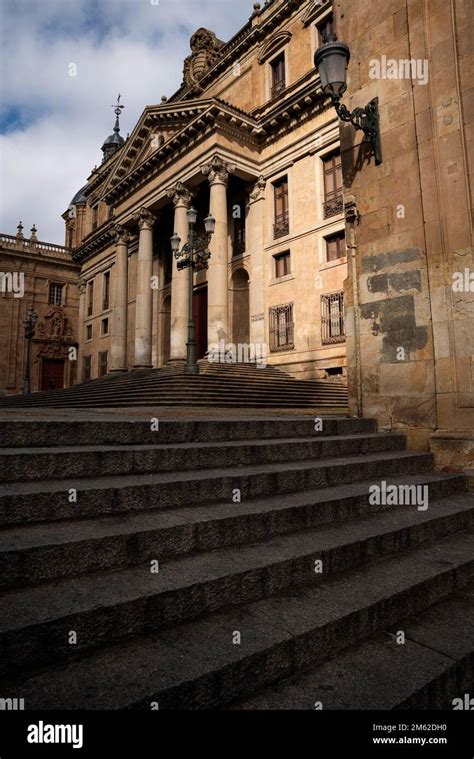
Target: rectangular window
column 282, row 264
column 87, row 368
column 90, row 298
column 106, row 291
column 335, row 246
column 333, row 328
column 71, row 237
column 105, row 326
column 55, row 295
column 238, row 243
column 282, row 222
column 278, row 75
column 333, row 202
column 89, row 332
column 95, row 217
column 281, row 328
column 103, row 361
column 325, row 27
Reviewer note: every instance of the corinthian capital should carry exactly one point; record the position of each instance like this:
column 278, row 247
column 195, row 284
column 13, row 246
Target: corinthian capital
column 82, row 285
column 122, row 236
column 217, row 171
column 257, row 190
column 144, row 219
column 180, row 195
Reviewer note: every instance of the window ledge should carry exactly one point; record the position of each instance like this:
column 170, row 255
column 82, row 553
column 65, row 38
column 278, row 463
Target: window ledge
column 278, row 280
column 331, row 264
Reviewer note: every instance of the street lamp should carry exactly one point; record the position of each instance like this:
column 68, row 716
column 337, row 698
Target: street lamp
column 29, row 325
column 331, row 61
column 195, row 254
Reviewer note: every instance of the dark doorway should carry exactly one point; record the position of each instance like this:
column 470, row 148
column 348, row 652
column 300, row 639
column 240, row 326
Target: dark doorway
column 52, row 374
column 200, row 321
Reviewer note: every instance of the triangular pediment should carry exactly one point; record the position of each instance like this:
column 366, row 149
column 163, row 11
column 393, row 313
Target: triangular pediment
column 157, row 126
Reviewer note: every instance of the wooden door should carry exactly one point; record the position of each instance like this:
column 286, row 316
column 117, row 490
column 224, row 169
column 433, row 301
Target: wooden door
column 52, row 374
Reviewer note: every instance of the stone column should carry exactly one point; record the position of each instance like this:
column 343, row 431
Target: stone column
column 217, row 171
column 144, row 298
column 254, row 245
column 181, row 197
column 118, row 348
column 82, row 286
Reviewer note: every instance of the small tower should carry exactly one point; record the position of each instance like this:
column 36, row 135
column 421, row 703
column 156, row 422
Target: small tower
column 114, row 141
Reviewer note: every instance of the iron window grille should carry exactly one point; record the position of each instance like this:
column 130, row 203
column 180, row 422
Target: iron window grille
column 333, row 328
column 281, row 328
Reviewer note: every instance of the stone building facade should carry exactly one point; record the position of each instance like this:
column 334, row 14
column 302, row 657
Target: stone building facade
column 410, row 291
column 43, row 277
column 249, row 138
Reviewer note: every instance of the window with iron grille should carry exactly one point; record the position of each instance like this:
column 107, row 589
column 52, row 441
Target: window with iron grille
column 282, row 264
column 87, row 368
column 281, row 328
column 336, row 247
column 333, row 200
column 103, row 361
column 325, row 27
column 55, row 293
column 333, row 328
column 238, row 243
column 282, row 221
column 278, row 75
column 106, row 291
column 90, row 298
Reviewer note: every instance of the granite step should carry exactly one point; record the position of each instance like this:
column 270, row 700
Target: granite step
column 121, row 430
column 28, row 464
column 432, row 667
column 72, row 498
column 230, row 655
column 35, row 623
column 33, row 554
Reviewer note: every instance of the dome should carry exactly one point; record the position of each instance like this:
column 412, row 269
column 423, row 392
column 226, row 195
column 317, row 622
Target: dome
column 78, row 198
column 114, row 140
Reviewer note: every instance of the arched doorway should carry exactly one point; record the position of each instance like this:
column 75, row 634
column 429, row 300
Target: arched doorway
column 240, row 307
column 166, row 330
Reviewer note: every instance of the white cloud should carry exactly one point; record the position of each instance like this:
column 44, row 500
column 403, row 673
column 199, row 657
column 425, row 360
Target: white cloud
column 130, row 46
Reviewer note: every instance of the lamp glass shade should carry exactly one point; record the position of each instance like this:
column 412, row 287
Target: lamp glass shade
column 331, row 60
column 192, row 215
column 210, row 224
column 175, row 243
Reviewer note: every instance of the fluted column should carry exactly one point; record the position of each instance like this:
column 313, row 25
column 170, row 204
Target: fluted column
column 254, row 246
column 144, row 299
column 81, row 336
column 118, row 348
column 217, row 171
column 181, row 197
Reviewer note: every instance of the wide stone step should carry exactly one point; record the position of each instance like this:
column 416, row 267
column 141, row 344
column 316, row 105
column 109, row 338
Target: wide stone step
column 23, row 464
column 84, row 498
column 33, row 554
column 434, row 666
column 36, row 622
column 232, row 654
column 123, row 430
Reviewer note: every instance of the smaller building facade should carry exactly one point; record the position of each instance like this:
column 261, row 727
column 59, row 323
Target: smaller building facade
column 40, row 277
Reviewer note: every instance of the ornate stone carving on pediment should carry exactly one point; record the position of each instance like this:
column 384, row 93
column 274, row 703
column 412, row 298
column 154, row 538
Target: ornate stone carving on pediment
column 205, row 50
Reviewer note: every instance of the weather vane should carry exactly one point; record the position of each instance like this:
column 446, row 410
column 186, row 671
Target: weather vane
column 118, row 110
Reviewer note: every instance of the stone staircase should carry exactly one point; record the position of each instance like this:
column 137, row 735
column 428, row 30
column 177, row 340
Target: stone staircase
column 229, row 563
column 217, row 385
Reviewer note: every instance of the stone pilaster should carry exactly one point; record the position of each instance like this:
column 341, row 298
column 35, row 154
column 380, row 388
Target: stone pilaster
column 144, row 299
column 82, row 286
column 118, row 349
column 254, row 245
column 217, row 172
column 181, row 198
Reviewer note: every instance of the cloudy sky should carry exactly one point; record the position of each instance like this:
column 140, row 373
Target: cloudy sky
column 52, row 124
